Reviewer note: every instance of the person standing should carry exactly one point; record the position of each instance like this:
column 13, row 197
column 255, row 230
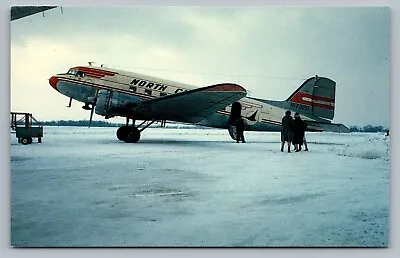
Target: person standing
column 287, row 130
column 299, row 128
column 240, row 129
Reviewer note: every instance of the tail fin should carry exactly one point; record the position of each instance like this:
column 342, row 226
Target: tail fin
column 316, row 97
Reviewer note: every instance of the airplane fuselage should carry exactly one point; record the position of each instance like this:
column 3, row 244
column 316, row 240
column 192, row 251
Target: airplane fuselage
column 127, row 89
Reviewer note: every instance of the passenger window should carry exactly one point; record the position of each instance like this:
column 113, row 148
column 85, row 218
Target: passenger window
column 147, row 92
column 163, row 94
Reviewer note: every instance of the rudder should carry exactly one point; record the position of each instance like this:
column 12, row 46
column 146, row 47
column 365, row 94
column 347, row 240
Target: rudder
column 316, row 97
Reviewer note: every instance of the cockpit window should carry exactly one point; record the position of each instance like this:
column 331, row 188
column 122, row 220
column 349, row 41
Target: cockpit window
column 76, row 73
column 73, row 72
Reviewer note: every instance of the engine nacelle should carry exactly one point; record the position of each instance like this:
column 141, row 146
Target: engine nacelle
column 104, row 103
column 111, row 103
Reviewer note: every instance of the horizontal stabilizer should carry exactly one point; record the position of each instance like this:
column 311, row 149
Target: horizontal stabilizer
column 323, row 126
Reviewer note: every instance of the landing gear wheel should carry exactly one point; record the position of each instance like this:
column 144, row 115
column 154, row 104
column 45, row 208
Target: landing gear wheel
column 133, row 135
column 122, row 133
column 25, row 141
column 30, row 140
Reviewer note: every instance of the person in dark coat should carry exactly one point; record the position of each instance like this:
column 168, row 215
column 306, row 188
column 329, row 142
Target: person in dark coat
column 240, row 129
column 287, row 130
column 299, row 128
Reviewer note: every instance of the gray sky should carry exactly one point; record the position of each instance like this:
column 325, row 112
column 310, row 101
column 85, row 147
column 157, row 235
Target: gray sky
column 268, row 50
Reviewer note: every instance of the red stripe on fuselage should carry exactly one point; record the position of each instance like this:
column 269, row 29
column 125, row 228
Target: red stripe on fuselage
column 306, row 95
column 93, row 75
column 300, row 98
column 94, row 71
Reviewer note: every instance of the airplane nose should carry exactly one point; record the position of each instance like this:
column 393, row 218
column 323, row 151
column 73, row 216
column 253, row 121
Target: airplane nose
column 53, row 82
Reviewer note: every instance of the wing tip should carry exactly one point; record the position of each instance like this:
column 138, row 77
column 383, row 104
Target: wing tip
column 230, row 87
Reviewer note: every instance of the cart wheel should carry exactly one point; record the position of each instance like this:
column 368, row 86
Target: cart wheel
column 30, row 140
column 39, row 140
column 25, row 141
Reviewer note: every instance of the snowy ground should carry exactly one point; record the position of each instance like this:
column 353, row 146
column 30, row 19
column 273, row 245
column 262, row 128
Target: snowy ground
column 190, row 187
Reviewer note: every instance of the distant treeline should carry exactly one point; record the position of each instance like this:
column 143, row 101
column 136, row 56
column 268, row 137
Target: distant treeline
column 368, row 129
column 80, row 123
column 85, row 123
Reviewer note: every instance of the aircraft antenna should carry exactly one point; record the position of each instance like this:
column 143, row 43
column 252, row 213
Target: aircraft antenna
column 215, row 74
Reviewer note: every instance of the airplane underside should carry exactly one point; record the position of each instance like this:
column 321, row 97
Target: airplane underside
column 131, row 133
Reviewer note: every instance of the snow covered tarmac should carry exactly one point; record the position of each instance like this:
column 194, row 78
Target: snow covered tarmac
column 189, row 187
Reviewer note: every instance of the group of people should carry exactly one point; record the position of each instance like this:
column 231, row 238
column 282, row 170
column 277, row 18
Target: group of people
column 293, row 131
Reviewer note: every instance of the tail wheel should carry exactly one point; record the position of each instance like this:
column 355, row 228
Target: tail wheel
column 133, row 135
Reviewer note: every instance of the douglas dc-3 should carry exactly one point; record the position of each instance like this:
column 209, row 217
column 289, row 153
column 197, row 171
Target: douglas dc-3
column 110, row 92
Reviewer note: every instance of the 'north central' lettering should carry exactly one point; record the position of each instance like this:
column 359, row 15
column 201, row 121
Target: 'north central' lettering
column 143, row 83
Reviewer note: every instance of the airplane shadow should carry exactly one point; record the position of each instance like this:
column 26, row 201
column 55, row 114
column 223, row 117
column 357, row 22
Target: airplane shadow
column 168, row 142
column 205, row 142
column 181, row 142
column 312, row 143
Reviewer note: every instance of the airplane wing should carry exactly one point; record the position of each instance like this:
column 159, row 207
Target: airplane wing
column 18, row 12
column 322, row 126
column 193, row 105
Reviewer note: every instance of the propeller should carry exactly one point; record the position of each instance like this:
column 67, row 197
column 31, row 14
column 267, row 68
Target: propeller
column 91, row 115
column 93, row 106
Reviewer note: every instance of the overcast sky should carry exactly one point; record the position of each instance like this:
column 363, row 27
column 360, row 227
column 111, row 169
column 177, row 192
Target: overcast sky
column 268, row 50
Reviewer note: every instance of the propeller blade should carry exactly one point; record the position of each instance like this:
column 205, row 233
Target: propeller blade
column 70, row 102
column 93, row 106
column 91, row 115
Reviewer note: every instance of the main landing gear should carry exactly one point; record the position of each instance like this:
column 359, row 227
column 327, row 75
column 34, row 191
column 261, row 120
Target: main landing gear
column 131, row 133
column 128, row 133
